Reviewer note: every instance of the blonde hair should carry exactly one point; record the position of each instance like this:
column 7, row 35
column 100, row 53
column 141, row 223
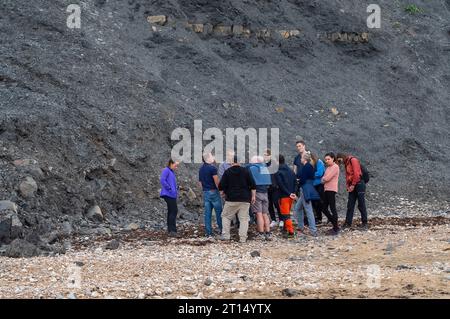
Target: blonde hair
column 307, row 156
column 208, row 158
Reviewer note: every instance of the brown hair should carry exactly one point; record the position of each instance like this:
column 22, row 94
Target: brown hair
column 314, row 159
column 341, row 155
column 331, row 154
column 170, row 162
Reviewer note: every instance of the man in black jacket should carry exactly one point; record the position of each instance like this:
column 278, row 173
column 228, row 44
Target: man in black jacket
column 273, row 192
column 286, row 183
column 240, row 190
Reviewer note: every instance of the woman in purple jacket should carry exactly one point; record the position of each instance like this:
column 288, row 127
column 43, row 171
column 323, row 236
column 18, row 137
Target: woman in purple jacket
column 169, row 192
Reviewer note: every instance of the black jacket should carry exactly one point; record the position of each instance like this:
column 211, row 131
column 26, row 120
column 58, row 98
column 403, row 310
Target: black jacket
column 286, row 180
column 237, row 184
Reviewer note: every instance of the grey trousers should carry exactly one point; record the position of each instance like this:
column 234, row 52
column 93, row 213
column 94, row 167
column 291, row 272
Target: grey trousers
column 229, row 212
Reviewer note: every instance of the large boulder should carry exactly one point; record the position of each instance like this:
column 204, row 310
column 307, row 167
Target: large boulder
column 95, row 213
column 21, row 248
column 10, row 225
column 8, row 205
column 28, row 188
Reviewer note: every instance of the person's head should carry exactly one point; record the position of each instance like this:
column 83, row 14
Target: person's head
column 341, row 157
column 173, row 165
column 330, row 158
column 256, row 159
column 267, row 155
column 208, row 158
column 281, row 159
column 306, row 157
column 301, row 146
column 230, row 156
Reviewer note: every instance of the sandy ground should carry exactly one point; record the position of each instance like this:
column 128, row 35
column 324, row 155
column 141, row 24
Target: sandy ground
column 396, row 258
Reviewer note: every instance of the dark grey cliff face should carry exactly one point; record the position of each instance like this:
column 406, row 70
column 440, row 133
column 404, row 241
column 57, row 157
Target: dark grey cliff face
column 87, row 113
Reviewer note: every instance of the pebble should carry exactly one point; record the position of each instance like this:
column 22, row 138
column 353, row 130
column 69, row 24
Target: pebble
column 171, row 270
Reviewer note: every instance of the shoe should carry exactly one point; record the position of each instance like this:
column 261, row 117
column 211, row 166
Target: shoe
column 242, row 241
column 273, row 224
column 363, row 227
column 346, row 226
column 332, row 232
column 174, row 235
column 291, row 235
column 260, row 236
column 268, row 236
column 314, row 234
column 281, row 224
column 222, row 238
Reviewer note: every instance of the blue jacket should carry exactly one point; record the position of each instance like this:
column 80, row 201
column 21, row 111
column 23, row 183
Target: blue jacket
column 306, row 174
column 320, row 171
column 168, row 181
column 307, row 177
column 260, row 174
column 309, row 192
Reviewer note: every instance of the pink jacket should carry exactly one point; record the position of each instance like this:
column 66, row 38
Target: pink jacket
column 331, row 178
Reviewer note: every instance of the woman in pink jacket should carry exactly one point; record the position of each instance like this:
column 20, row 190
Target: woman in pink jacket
column 330, row 181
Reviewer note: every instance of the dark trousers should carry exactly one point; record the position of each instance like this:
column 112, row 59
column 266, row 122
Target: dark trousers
column 172, row 211
column 274, row 197
column 358, row 194
column 318, row 204
column 329, row 201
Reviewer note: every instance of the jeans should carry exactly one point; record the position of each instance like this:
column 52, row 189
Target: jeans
column 302, row 206
column 358, row 194
column 172, row 211
column 211, row 199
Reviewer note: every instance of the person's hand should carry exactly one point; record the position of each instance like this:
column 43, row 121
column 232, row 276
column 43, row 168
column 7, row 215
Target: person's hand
column 222, row 193
column 351, row 188
column 253, row 199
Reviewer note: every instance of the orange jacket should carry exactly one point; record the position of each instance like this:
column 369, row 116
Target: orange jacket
column 352, row 171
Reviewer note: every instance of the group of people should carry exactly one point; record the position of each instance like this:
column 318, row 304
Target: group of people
column 238, row 192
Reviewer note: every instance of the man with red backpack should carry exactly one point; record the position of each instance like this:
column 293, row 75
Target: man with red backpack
column 356, row 178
